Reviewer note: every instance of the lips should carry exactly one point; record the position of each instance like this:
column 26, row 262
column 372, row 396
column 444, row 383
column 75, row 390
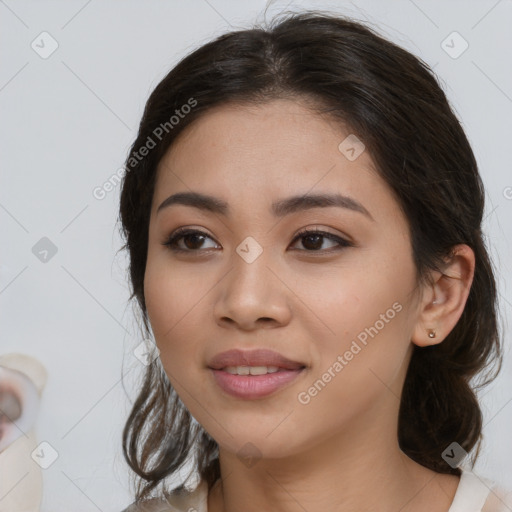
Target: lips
column 257, row 357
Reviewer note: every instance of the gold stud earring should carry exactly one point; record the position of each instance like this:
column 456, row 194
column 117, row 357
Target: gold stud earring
column 432, row 334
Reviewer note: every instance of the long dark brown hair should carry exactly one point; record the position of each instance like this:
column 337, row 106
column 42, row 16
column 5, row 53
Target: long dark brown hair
column 392, row 101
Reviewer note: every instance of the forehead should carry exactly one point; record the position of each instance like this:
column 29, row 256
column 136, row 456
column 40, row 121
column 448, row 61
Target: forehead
column 253, row 154
column 282, row 138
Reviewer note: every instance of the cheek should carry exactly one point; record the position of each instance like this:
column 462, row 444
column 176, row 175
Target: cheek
column 173, row 297
column 364, row 294
column 367, row 310
column 363, row 364
column 171, row 294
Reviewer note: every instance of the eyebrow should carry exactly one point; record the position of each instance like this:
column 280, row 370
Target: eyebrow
column 280, row 208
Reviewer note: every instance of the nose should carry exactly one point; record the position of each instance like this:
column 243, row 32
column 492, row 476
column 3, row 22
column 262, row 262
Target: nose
column 252, row 295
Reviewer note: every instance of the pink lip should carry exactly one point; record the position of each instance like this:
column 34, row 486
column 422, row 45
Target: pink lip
column 253, row 386
column 257, row 357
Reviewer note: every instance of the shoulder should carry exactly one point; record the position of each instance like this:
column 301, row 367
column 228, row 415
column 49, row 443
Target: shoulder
column 478, row 492
column 499, row 499
column 195, row 500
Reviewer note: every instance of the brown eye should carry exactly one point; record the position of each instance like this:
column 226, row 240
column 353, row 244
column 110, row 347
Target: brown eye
column 314, row 239
column 193, row 240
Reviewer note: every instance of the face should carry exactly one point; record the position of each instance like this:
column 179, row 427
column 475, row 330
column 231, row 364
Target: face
column 340, row 300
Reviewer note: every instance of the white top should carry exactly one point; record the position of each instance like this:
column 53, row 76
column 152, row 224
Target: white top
column 474, row 494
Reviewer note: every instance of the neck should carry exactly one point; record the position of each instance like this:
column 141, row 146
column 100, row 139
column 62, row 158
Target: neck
column 359, row 469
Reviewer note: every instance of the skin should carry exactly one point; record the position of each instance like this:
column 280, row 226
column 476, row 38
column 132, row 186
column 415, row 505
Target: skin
column 340, row 451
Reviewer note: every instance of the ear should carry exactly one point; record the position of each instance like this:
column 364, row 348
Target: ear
column 444, row 300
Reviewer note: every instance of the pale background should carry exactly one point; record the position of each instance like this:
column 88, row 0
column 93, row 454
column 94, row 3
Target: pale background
column 67, row 122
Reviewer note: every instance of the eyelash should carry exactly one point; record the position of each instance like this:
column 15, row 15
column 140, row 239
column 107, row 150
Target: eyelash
column 171, row 242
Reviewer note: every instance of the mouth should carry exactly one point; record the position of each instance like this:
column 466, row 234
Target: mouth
column 251, row 386
column 253, row 374
column 253, row 370
column 257, row 360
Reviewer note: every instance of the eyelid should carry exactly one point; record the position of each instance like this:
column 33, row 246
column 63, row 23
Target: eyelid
column 343, row 241
column 183, row 231
column 322, row 230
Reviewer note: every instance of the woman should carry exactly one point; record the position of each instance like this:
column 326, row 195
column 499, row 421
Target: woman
column 302, row 211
